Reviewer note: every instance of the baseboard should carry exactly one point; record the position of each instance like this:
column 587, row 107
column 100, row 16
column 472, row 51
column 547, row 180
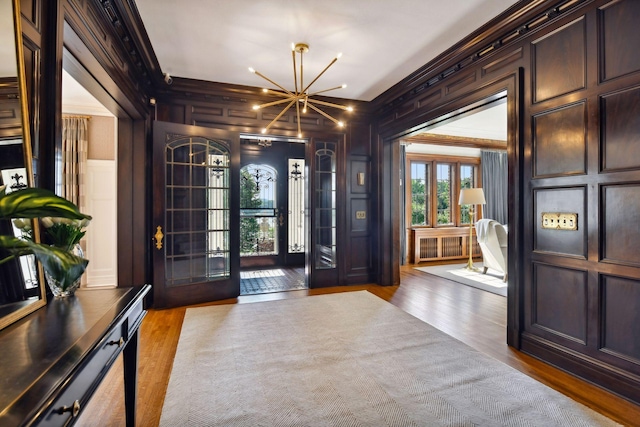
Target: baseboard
column 611, row 378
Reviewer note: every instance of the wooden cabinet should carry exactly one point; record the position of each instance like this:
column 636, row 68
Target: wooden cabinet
column 52, row 361
column 430, row 244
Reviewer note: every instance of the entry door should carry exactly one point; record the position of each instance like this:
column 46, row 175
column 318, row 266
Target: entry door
column 272, row 207
column 196, row 229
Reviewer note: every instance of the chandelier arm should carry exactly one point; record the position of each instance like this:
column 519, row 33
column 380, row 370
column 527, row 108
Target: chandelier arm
column 301, row 71
column 321, row 73
column 306, row 102
column 325, row 90
column 329, row 104
column 313, row 107
column 295, row 75
column 298, row 114
column 281, row 101
column 272, row 82
column 278, row 116
column 275, row 92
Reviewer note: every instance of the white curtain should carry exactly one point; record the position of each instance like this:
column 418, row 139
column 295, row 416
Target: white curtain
column 74, row 158
column 495, row 184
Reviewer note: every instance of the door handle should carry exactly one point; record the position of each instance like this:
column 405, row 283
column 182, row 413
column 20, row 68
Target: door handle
column 158, row 236
column 281, row 220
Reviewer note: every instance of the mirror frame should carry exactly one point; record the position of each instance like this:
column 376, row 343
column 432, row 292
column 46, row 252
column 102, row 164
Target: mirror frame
column 28, row 159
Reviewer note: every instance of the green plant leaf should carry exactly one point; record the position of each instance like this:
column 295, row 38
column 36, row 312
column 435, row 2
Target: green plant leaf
column 61, row 265
column 37, row 202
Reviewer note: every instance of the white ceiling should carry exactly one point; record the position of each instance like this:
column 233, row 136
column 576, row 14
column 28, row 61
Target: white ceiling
column 382, row 41
column 77, row 100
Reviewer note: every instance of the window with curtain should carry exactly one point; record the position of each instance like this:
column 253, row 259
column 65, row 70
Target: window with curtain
column 432, row 197
column 74, row 158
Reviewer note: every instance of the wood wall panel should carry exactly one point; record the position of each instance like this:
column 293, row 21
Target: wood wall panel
column 559, row 141
column 619, row 37
column 359, row 225
column 560, row 200
column 429, row 99
column 620, row 114
column 560, row 303
column 459, row 82
column 621, row 314
column 360, row 259
column 559, row 65
column 503, row 61
column 620, row 231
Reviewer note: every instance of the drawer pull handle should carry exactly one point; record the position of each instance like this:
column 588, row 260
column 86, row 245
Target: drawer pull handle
column 120, row 342
column 74, row 409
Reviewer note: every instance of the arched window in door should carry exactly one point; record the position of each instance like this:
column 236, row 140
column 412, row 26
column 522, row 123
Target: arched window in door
column 258, row 211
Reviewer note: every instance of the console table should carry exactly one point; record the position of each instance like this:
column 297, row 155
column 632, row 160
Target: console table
column 53, row 360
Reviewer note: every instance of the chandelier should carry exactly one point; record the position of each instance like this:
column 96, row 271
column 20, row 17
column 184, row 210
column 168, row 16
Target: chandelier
column 301, row 96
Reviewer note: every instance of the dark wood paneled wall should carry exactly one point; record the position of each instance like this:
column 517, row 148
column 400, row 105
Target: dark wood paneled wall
column 573, row 86
column 574, row 109
column 230, row 107
column 99, row 39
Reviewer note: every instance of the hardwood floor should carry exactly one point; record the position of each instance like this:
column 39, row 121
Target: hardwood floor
column 473, row 316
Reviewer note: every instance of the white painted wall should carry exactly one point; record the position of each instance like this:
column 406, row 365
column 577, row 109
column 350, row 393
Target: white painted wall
column 101, row 241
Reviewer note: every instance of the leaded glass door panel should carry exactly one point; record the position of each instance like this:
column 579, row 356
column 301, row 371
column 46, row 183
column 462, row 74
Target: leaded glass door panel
column 195, row 190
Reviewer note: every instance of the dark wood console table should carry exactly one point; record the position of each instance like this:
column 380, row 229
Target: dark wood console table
column 53, row 360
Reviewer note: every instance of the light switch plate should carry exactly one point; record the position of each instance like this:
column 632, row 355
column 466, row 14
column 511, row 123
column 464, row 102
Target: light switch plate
column 560, row 221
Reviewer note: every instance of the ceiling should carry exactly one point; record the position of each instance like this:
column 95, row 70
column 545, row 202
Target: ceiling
column 382, row 41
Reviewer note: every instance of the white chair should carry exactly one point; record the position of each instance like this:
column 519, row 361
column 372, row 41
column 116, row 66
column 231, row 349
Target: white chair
column 492, row 238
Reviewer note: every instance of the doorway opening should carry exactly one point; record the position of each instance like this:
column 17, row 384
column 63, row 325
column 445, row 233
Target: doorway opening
column 273, row 228
column 462, row 152
column 88, row 172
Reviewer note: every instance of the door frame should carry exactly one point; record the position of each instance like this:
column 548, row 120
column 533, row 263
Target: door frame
column 389, row 229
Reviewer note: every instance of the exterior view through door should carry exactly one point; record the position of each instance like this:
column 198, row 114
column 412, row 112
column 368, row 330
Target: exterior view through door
column 272, row 216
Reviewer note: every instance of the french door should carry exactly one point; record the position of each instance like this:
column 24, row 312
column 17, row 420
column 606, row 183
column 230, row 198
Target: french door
column 196, row 178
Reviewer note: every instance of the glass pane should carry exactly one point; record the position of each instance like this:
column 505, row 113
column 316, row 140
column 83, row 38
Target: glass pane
column 420, row 194
column 197, row 201
column 443, row 178
column 296, row 229
column 467, row 180
column 325, row 198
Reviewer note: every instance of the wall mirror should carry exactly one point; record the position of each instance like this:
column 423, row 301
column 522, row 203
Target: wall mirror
column 21, row 284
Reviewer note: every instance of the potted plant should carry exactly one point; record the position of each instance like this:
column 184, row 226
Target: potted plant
column 62, row 266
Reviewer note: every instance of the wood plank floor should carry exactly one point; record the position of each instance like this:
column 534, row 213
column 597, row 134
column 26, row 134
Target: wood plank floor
column 475, row 317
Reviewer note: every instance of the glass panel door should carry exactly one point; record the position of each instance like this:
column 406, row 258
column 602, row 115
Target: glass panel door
column 195, row 191
column 258, row 211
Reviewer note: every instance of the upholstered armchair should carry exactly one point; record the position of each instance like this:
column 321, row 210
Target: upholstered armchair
column 492, row 238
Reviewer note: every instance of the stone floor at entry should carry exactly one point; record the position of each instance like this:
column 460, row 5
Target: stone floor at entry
column 271, row 280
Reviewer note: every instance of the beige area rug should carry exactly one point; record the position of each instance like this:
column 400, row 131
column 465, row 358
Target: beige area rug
column 348, row 359
column 490, row 282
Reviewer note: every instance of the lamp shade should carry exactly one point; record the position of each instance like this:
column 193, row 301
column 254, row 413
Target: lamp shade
column 472, row 196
